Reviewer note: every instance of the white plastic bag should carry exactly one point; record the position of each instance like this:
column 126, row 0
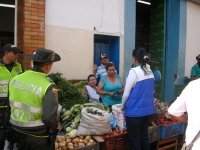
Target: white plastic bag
column 120, row 118
column 93, row 124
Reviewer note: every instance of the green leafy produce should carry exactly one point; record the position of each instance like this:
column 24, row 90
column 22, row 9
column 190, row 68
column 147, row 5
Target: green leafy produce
column 69, row 94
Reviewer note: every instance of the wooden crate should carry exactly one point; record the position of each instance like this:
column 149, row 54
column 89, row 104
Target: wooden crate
column 168, row 143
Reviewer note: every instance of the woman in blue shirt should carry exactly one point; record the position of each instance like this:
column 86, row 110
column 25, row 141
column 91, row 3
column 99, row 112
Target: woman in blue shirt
column 111, row 86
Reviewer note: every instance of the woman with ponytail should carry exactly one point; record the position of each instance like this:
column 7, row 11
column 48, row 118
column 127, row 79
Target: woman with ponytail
column 138, row 100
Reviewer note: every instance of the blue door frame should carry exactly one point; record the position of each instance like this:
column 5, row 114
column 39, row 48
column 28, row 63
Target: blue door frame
column 175, row 47
column 109, row 47
column 175, row 42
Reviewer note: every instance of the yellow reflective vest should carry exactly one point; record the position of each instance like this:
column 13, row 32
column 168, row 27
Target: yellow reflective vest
column 5, row 77
column 26, row 92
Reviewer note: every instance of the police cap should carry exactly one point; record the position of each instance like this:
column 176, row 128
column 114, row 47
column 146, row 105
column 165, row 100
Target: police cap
column 11, row 48
column 44, row 55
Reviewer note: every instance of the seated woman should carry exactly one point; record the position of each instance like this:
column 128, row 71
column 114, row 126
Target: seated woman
column 111, row 86
column 91, row 90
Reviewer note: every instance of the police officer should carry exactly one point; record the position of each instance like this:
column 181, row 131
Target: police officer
column 33, row 100
column 9, row 68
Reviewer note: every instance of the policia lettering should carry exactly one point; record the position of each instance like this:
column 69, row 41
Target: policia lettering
column 31, row 88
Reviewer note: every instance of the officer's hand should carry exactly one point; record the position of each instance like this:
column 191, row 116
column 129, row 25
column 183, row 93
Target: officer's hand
column 59, row 127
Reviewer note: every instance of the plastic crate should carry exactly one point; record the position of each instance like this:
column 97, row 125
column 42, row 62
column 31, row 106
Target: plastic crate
column 119, row 142
column 172, row 130
column 154, row 133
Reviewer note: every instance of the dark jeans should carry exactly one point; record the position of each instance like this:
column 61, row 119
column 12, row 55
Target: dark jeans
column 27, row 142
column 2, row 139
column 137, row 128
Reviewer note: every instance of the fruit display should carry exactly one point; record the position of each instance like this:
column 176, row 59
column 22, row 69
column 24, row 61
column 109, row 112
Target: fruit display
column 165, row 120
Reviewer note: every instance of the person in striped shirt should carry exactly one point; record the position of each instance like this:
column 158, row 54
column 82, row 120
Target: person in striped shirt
column 101, row 70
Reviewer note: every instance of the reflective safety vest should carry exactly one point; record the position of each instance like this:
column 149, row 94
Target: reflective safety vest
column 5, row 77
column 26, row 92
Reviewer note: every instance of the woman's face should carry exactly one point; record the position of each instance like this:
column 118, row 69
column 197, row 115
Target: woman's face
column 92, row 81
column 134, row 61
column 111, row 71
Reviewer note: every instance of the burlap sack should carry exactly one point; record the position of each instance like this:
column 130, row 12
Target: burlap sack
column 93, row 124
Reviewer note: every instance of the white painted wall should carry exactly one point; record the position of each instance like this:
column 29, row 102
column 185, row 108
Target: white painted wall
column 69, row 30
column 193, row 36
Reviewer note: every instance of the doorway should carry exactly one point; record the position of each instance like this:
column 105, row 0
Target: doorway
column 7, row 25
column 104, row 44
column 150, row 33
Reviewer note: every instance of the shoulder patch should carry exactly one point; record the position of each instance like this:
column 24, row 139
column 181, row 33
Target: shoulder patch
column 55, row 90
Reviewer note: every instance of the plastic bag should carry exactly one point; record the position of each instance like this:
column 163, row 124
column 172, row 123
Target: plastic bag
column 120, row 118
column 113, row 123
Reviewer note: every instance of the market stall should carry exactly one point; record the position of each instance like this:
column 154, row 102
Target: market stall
column 89, row 126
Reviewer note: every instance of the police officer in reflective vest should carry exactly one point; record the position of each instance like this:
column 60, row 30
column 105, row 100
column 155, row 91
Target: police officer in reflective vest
column 33, row 100
column 9, row 68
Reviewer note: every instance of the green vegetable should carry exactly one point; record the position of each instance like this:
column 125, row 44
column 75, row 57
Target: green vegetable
column 90, row 104
column 69, row 94
column 74, row 125
column 67, row 113
column 68, row 117
column 77, row 118
column 68, row 129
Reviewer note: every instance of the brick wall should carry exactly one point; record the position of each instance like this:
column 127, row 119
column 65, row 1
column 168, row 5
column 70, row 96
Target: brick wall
column 30, row 27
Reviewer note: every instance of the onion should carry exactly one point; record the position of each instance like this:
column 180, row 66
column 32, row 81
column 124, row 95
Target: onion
column 70, row 147
column 74, row 141
column 81, row 145
column 61, row 138
column 75, row 145
column 88, row 144
column 88, row 137
column 61, row 144
column 68, row 140
column 85, row 141
column 81, row 137
column 91, row 141
column 64, row 148
column 56, row 145
column 77, row 139
column 81, row 140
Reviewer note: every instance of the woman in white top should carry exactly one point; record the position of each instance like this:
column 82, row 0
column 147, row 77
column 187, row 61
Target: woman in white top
column 91, row 89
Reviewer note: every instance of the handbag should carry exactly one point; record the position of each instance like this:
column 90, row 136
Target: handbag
column 189, row 147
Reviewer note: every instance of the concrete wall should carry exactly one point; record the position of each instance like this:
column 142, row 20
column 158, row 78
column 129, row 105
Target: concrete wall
column 193, row 36
column 69, row 30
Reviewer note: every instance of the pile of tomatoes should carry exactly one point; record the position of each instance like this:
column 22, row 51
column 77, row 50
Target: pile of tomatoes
column 165, row 120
